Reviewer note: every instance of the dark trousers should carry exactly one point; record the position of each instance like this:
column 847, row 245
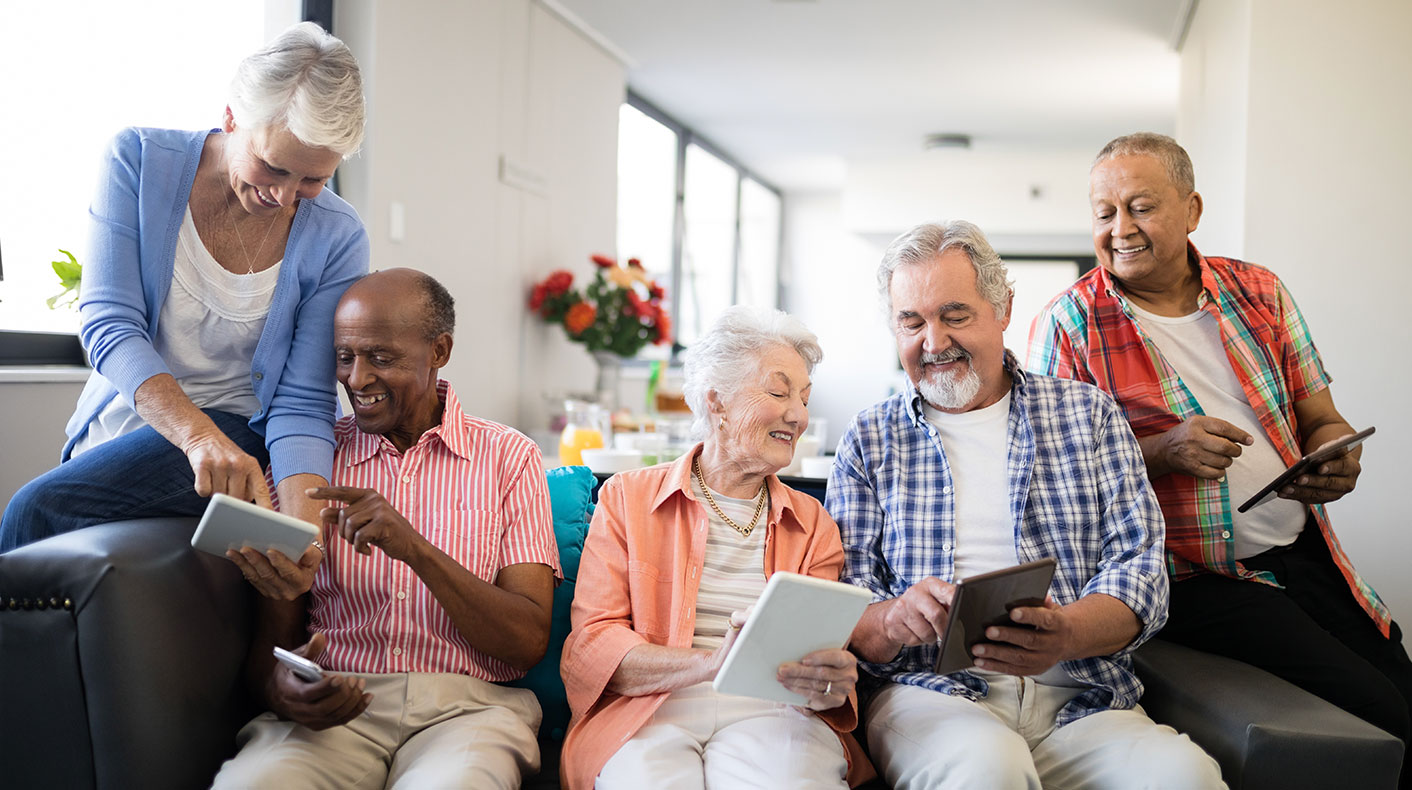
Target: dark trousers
column 1312, row 633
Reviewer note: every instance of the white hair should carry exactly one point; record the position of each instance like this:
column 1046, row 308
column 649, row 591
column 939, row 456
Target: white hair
column 307, row 81
column 925, row 242
column 724, row 358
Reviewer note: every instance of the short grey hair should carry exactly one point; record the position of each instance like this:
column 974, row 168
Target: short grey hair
column 721, row 360
column 1164, row 149
column 306, row 81
column 926, row 242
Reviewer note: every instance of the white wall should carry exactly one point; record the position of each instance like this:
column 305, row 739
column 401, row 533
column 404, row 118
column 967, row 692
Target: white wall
column 32, row 429
column 1325, row 166
column 454, row 89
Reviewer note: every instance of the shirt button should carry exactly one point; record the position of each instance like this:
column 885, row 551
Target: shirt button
column 401, row 595
column 406, row 478
column 259, row 375
column 397, row 651
column 1226, row 534
column 946, row 489
column 946, row 547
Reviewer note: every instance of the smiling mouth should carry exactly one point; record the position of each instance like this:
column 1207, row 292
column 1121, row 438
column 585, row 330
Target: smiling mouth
column 264, row 201
column 369, row 400
column 1130, row 250
column 782, row 436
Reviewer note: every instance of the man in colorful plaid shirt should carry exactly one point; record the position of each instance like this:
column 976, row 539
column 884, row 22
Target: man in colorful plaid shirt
column 975, row 467
column 1214, row 368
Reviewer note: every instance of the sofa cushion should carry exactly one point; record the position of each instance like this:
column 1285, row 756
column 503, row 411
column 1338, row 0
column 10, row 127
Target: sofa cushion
column 571, row 496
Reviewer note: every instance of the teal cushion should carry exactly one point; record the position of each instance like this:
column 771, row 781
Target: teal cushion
column 571, row 496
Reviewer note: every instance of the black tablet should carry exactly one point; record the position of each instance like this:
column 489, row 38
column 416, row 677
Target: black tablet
column 1302, row 466
column 985, row 600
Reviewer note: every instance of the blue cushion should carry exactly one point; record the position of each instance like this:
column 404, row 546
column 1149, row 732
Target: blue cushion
column 571, row 497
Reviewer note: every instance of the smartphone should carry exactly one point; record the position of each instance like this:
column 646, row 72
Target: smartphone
column 303, row 668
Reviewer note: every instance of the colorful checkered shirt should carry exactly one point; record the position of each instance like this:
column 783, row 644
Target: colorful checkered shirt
column 1078, row 492
column 1089, row 333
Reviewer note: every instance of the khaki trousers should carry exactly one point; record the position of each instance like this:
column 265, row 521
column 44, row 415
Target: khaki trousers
column 420, row 731
column 919, row 738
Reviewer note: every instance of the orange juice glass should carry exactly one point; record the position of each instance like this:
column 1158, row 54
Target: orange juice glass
column 574, row 440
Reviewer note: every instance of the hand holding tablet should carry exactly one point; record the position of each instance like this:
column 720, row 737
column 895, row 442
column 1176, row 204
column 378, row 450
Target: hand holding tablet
column 1306, row 465
column 985, row 600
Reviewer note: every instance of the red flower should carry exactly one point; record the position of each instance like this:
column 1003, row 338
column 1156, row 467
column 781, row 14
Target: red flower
column 603, row 260
column 635, row 262
column 579, row 317
column 558, row 282
column 664, row 329
column 537, row 296
column 635, row 306
column 655, row 291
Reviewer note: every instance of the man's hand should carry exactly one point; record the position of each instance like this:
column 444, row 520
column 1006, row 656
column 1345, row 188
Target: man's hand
column 1027, row 651
column 328, row 702
column 1201, row 446
column 367, row 520
column 919, row 616
column 825, row 677
column 1331, row 480
column 221, row 467
column 275, row 575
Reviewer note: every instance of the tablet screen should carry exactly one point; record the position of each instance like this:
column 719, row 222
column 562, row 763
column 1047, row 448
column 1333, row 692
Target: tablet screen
column 985, row 600
column 1303, row 465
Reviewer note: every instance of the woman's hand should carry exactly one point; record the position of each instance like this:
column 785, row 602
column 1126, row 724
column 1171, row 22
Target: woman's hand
column 718, row 656
column 221, row 467
column 825, row 677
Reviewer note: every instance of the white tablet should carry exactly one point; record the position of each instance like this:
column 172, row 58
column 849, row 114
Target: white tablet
column 795, row 616
column 232, row 524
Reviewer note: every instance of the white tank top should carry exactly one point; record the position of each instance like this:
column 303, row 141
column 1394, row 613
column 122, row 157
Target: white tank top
column 207, row 332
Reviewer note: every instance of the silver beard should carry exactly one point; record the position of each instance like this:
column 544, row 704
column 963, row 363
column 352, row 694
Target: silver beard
column 950, row 390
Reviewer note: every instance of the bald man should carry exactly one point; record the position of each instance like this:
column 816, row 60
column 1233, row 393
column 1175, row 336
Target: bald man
column 437, row 584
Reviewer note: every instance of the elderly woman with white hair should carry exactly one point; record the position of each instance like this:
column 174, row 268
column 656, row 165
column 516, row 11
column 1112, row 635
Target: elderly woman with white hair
column 216, row 259
column 675, row 555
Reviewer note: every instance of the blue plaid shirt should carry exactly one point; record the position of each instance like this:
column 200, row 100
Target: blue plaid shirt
column 1078, row 493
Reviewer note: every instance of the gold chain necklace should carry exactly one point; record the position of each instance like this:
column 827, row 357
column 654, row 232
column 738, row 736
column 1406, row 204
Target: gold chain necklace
column 759, row 505
column 249, row 263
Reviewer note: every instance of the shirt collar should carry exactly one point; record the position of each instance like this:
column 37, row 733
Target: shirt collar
column 1209, row 289
column 918, row 415
column 450, row 432
column 678, row 480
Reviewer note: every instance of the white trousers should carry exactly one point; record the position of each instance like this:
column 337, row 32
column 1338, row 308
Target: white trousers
column 421, row 730
column 701, row 739
column 919, row 738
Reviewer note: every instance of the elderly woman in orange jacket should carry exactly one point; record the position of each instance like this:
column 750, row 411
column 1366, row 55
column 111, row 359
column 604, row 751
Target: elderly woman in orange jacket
column 675, row 556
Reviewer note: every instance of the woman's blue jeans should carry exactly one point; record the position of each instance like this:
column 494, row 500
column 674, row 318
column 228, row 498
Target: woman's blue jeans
column 137, row 475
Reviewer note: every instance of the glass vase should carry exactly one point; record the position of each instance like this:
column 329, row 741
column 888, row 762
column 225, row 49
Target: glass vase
column 610, row 368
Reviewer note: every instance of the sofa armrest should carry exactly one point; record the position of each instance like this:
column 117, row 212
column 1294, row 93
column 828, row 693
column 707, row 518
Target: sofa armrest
column 1264, row 732
column 121, row 650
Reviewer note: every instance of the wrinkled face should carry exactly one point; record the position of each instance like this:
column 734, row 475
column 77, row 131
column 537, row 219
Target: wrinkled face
column 386, row 365
column 1141, row 222
column 269, row 169
column 949, row 339
column 767, row 415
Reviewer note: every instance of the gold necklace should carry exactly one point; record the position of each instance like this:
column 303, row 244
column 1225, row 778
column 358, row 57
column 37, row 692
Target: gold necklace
column 759, row 505
column 249, row 263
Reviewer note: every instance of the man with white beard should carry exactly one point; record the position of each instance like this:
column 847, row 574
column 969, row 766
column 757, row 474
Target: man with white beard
column 980, row 466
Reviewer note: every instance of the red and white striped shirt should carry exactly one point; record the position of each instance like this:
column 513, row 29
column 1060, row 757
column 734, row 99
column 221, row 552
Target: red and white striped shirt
column 476, row 490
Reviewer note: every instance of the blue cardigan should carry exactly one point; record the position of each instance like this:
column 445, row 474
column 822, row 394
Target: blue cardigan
column 139, row 207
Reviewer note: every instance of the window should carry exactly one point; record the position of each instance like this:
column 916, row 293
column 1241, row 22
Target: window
column 697, row 219
column 76, row 73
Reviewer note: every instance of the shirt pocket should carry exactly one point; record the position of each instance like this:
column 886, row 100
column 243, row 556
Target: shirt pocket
column 471, row 538
column 650, row 592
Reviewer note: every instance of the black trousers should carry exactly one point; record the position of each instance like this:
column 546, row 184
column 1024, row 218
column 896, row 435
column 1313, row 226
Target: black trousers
column 1312, row 633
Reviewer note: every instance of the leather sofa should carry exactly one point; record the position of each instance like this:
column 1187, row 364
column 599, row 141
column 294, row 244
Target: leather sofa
column 121, row 647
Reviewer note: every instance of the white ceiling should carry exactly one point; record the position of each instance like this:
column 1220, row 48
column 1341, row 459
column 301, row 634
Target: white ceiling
column 795, row 89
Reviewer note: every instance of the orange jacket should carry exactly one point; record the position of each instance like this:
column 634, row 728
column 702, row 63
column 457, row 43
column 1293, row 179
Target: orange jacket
column 637, row 585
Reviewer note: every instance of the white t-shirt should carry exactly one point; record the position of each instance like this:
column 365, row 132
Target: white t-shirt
column 1192, row 345
column 210, row 324
column 977, row 447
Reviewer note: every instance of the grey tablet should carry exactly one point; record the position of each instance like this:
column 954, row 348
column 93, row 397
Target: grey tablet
column 1305, row 464
column 795, row 616
column 232, row 524
column 985, row 600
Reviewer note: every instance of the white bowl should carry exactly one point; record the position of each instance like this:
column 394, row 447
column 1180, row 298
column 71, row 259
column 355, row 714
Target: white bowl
column 608, row 461
column 816, row 466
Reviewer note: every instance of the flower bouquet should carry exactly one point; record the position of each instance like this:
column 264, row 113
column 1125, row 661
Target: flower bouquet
column 620, row 311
